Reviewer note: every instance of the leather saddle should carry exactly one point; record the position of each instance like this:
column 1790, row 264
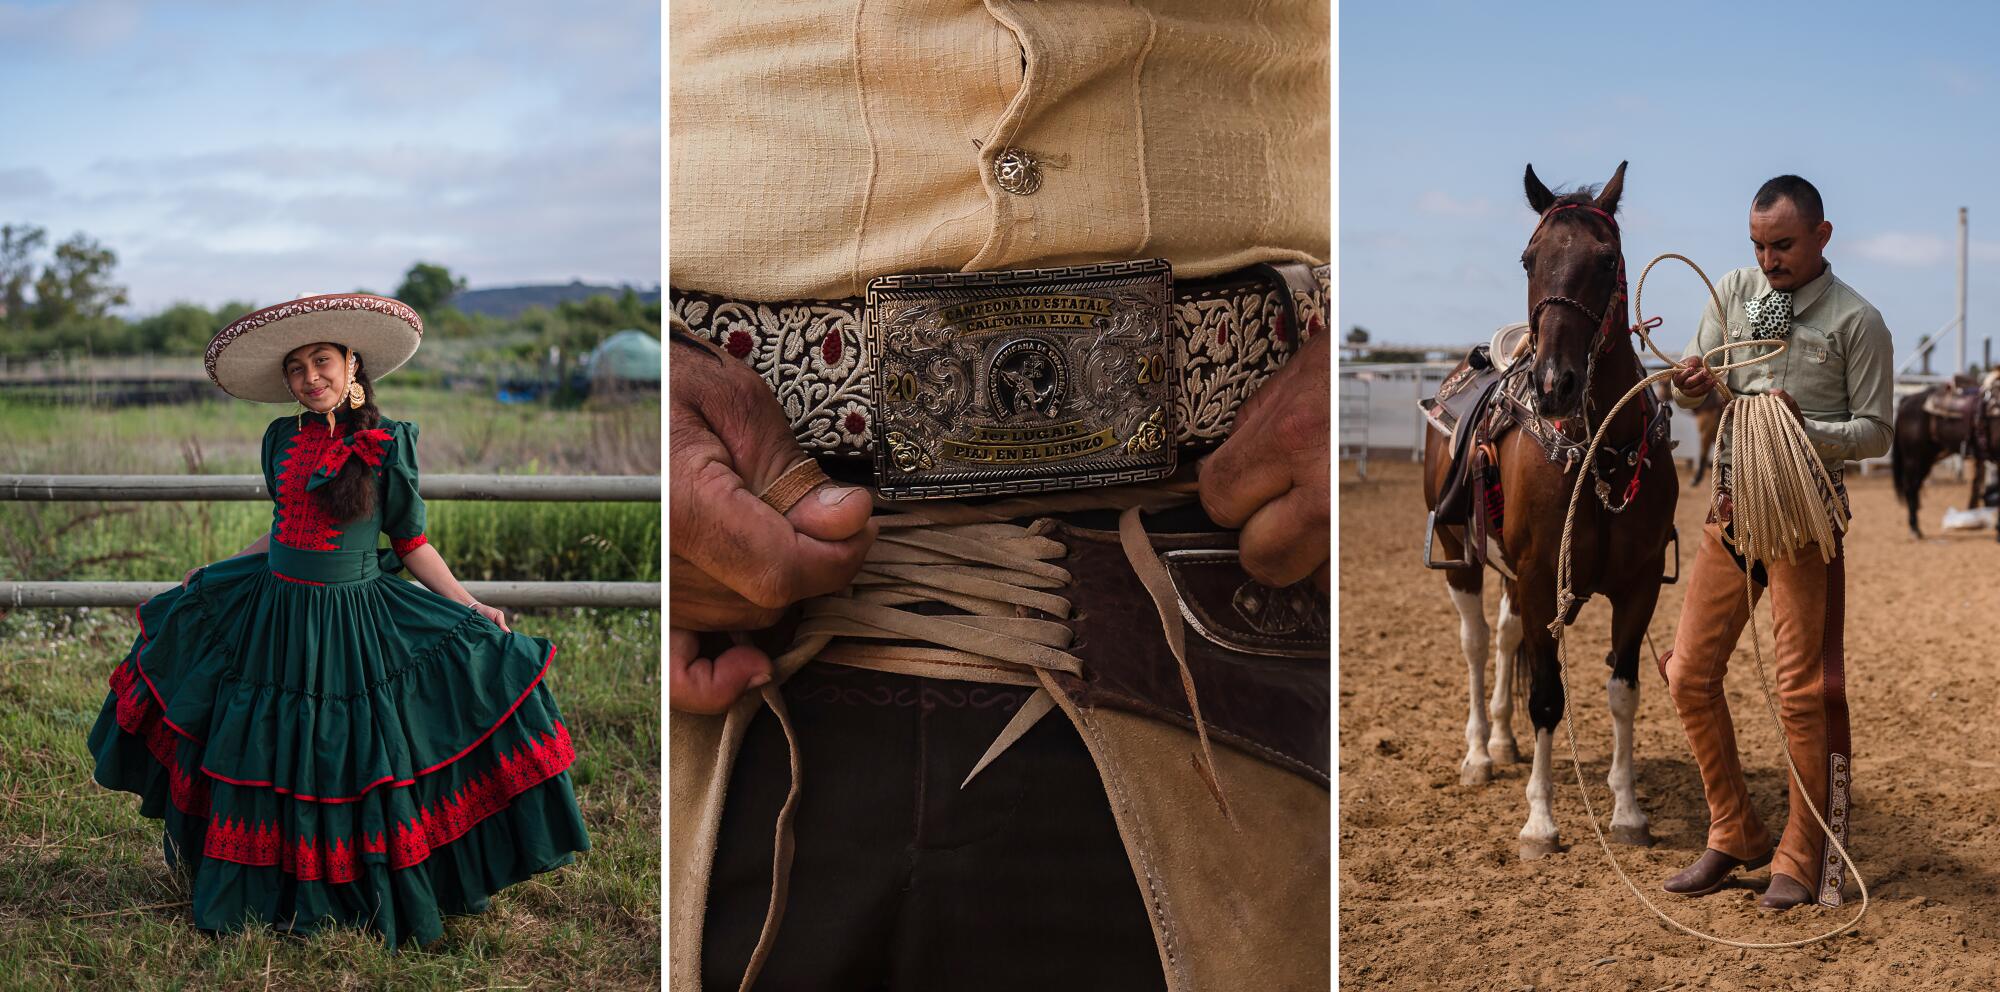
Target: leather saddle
column 1468, row 410
column 1976, row 404
column 1952, row 402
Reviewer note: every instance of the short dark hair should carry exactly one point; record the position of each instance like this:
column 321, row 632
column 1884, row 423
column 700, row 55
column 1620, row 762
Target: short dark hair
column 1804, row 197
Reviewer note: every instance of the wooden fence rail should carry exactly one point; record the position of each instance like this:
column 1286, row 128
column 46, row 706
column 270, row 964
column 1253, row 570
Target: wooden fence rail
column 137, row 488
column 508, row 594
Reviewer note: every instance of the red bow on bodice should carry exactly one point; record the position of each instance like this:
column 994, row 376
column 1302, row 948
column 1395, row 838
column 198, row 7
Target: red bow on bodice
column 366, row 445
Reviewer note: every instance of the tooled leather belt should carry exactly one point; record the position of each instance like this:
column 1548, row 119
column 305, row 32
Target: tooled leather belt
column 965, row 384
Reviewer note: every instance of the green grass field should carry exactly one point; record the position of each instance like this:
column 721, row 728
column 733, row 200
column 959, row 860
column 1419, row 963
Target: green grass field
column 85, row 899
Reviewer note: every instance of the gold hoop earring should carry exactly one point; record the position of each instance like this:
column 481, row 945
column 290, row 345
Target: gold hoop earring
column 355, row 394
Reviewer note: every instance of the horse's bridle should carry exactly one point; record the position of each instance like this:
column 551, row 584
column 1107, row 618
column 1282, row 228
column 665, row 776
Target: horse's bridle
column 1611, row 307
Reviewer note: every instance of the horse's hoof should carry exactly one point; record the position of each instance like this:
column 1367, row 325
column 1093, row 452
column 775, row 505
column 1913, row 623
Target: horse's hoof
column 1475, row 773
column 1503, row 752
column 1636, row 836
column 1537, row 848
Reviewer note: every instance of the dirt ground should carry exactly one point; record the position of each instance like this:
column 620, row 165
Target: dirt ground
column 1433, row 894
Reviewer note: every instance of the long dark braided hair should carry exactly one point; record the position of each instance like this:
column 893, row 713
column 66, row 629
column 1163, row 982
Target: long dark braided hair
column 351, row 494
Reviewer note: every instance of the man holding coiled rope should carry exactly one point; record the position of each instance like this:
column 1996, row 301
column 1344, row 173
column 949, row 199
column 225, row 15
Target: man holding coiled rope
column 1836, row 376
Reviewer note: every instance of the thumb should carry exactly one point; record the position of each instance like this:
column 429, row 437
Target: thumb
column 831, row 513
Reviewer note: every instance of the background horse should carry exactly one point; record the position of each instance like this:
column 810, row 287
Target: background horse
column 1923, row 437
column 1707, row 419
column 1582, row 362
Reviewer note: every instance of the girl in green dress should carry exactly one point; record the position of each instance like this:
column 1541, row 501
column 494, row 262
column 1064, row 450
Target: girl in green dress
column 326, row 743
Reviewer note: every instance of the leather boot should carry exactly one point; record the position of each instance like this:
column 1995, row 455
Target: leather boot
column 1783, row 893
column 1709, row 872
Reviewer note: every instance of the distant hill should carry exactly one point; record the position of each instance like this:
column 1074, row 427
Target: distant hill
column 509, row 301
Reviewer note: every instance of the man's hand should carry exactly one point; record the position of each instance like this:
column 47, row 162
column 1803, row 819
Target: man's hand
column 1273, row 476
column 737, row 563
column 1790, row 404
column 1694, row 379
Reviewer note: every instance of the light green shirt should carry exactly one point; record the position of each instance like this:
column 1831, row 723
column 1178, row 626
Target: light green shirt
column 1840, row 366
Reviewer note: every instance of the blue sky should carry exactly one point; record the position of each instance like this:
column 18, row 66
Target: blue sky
column 230, row 150
column 1889, row 109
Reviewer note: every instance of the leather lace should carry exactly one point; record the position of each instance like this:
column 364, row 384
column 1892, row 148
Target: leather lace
column 1002, row 582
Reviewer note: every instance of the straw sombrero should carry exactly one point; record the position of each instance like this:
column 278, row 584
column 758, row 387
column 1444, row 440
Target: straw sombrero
column 245, row 357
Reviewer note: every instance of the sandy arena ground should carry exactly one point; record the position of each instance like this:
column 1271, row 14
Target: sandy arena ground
column 1432, row 892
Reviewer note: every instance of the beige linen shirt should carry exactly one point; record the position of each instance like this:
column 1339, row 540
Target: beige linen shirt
column 817, row 144
column 1839, row 367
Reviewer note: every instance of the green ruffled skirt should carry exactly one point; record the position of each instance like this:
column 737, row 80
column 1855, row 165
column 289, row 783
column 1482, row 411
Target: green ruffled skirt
column 328, row 744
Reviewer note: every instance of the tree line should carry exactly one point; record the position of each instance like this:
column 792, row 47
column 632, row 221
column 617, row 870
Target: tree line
column 60, row 300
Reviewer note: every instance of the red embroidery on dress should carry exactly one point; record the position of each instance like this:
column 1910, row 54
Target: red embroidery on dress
column 139, row 714
column 235, row 840
column 303, row 582
column 301, row 522
column 405, row 545
column 310, row 861
column 520, row 770
column 533, row 763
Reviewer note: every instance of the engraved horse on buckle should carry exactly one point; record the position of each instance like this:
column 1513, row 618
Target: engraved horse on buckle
column 1023, row 381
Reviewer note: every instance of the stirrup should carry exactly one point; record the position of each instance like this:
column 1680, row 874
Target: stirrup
column 1430, row 532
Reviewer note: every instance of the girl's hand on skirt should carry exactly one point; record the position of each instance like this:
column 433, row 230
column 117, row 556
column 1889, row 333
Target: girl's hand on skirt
column 189, row 577
column 492, row 614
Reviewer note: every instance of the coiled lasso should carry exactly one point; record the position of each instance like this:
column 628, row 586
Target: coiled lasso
column 1783, row 500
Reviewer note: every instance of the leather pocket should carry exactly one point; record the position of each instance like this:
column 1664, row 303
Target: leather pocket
column 1260, row 658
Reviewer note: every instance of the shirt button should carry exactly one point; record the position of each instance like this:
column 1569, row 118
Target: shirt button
column 1017, row 172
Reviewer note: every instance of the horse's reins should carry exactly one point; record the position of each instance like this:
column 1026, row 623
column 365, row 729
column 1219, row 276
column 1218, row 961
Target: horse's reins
column 1767, row 417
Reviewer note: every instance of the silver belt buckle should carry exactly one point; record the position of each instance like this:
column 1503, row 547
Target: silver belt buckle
column 1024, row 381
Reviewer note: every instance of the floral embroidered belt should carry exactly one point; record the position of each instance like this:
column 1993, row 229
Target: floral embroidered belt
column 961, row 384
column 320, row 568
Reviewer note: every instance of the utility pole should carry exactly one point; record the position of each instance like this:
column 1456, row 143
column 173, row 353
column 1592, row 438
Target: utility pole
column 1961, row 288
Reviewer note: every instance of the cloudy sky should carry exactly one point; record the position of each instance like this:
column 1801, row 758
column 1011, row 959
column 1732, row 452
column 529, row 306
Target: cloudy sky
column 230, row 150
column 1887, row 109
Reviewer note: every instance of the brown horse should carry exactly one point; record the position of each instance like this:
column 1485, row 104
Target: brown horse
column 1922, row 438
column 1707, row 420
column 1581, row 363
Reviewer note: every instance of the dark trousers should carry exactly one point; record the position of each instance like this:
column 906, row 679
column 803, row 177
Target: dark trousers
column 903, row 880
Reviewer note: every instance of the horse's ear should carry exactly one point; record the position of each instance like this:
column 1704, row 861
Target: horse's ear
column 1607, row 199
column 1539, row 197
